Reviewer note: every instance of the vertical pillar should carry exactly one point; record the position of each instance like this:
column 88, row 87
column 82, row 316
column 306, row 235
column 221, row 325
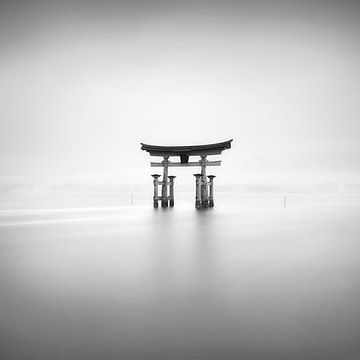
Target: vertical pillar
column 171, row 177
column 211, row 186
column 156, row 194
column 204, row 184
column 198, row 191
column 164, row 192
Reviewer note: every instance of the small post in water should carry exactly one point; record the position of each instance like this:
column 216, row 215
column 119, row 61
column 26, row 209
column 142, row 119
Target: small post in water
column 284, row 201
column 171, row 198
column 156, row 193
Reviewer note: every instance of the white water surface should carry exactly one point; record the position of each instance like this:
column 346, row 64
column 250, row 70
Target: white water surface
column 90, row 276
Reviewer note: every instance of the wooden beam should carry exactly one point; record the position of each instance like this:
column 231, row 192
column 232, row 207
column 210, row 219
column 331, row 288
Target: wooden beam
column 190, row 163
column 164, row 186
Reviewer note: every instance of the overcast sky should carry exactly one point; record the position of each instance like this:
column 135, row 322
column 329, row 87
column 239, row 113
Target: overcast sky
column 84, row 82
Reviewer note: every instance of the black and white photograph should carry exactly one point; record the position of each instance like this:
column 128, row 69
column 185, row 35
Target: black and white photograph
column 179, row 180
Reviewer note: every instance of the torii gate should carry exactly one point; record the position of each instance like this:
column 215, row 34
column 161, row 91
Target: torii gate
column 204, row 188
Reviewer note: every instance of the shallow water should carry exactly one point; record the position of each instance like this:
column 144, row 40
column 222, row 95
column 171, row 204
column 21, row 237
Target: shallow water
column 90, row 276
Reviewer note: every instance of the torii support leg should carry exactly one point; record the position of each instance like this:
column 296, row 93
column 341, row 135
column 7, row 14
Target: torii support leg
column 211, row 186
column 171, row 197
column 164, row 192
column 156, row 193
column 204, row 184
column 198, row 191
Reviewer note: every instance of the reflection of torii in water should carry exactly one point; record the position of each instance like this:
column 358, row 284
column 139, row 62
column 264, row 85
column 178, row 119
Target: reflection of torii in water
column 204, row 188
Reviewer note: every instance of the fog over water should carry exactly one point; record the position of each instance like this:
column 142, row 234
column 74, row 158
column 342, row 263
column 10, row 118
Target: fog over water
column 84, row 82
column 89, row 270
column 248, row 279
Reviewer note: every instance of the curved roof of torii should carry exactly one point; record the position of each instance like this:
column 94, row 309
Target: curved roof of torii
column 188, row 150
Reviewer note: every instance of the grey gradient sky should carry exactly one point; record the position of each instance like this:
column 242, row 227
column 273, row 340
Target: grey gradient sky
column 84, row 82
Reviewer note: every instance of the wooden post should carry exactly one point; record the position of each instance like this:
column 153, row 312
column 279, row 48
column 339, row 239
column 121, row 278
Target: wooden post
column 164, row 192
column 204, row 184
column 156, row 194
column 211, row 185
column 171, row 177
column 198, row 191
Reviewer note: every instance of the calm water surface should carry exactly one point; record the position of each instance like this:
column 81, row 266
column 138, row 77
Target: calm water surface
column 91, row 277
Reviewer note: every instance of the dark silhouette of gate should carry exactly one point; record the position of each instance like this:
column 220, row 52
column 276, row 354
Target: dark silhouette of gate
column 204, row 189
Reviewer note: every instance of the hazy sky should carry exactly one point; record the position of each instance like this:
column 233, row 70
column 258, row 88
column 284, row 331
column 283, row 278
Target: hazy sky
column 84, row 82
